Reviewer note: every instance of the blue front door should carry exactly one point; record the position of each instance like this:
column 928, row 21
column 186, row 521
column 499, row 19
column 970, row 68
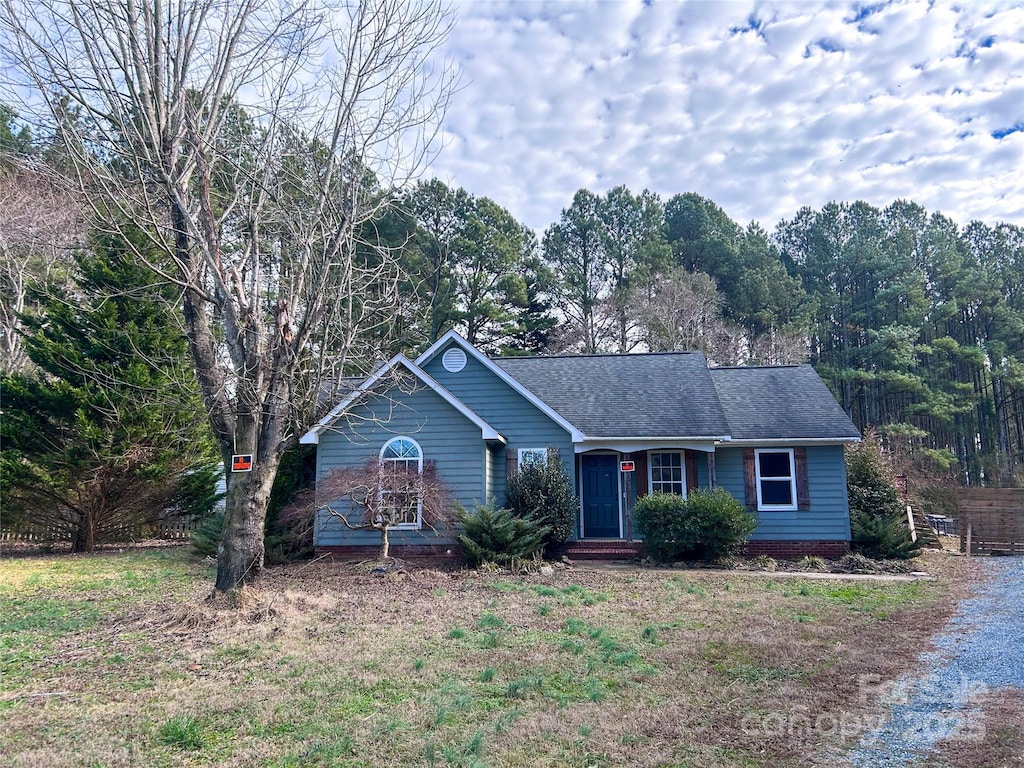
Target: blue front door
column 600, row 496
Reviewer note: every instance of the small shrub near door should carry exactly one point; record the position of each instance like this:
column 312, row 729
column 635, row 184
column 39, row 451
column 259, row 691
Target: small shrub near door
column 497, row 536
column 707, row 525
column 542, row 492
column 659, row 521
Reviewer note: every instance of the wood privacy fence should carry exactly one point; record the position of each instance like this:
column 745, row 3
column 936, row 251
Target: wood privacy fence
column 991, row 520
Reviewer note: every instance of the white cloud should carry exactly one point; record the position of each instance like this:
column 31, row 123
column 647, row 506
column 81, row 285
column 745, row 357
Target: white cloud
column 761, row 107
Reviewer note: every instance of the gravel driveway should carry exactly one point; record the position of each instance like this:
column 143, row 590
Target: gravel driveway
column 980, row 650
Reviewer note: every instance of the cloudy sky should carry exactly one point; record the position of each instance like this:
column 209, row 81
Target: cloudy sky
column 761, row 107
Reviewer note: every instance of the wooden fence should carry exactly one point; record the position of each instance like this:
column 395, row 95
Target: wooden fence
column 175, row 529
column 991, row 520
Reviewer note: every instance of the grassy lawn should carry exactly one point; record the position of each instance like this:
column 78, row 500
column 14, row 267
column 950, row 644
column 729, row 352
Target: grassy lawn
column 118, row 660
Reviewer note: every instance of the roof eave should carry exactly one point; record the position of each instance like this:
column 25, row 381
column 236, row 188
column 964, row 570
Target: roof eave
column 487, row 432
column 312, row 437
column 658, row 438
column 575, row 434
column 747, row 441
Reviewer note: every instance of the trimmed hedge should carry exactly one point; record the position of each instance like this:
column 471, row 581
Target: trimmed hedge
column 706, row 525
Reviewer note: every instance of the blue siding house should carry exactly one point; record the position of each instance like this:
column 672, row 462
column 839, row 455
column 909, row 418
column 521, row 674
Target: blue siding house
column 623, row 426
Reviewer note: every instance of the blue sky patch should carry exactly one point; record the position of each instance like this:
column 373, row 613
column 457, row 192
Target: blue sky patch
column 1004, row 132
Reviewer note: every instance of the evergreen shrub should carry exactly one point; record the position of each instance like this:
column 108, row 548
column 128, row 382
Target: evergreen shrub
column 883, row 538
column 878, row 524
column 498, row 536
column 542, row 493
column 707, row 525
column 206, row 537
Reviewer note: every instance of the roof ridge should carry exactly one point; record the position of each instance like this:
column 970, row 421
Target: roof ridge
column 596, row 354
column 754, row 367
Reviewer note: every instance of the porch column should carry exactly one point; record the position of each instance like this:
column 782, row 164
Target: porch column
column 711, row 470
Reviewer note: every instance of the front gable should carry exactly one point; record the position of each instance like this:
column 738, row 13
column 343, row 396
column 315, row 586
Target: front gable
column 388, row 378
column 447, row 438
column 525, row 422
column 489, row 390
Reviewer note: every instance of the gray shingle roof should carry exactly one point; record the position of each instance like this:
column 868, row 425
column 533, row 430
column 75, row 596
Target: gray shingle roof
column 778, row 403
column 675, row 394
column 644, row 395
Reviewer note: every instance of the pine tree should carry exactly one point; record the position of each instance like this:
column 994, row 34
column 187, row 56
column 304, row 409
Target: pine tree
column 107, row 437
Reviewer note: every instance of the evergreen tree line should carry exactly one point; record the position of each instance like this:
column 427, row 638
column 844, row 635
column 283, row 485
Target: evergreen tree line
column 103, row 435
column 916, row 323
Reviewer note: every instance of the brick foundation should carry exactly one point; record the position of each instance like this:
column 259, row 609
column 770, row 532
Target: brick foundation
column 401, row 551
column 591, row 550
column 793, row 549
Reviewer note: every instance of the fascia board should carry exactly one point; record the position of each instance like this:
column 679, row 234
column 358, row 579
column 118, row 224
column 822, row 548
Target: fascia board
column 434, row 348
column 312, row 437
column 654, row 444
column 487, row 432
column 788, row 441
column 575, row 435
column 660, row 438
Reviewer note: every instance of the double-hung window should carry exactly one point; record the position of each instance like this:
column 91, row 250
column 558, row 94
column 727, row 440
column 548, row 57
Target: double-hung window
column 529, row 456
column 776, row 479
column 401, row 465
column 667, row 473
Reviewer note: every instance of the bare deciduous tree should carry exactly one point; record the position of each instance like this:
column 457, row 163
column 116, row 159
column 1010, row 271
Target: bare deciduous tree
column 255, row 142
column 381, row 496
column 779, row 347
column 41, row 221
column 684, row 312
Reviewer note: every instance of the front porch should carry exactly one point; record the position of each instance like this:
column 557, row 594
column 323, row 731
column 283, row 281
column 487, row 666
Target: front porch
column 609, row 481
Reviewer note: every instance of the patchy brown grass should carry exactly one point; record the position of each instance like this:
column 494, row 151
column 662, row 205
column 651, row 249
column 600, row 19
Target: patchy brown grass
column 994, row 740
column 328, row 664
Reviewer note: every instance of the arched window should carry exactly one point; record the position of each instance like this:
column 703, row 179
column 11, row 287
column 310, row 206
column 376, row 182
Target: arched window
column 401, row 461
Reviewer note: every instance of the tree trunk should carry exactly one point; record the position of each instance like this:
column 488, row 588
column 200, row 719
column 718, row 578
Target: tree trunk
column 85, row 534
column 385, row 544
column 241, row 551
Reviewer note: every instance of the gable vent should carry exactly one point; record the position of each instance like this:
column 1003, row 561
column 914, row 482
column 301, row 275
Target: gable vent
column 454, row 360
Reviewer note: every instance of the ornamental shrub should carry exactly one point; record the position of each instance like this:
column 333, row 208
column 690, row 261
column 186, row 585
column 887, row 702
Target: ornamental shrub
column 658, row 519
column 719, row 524
column 497, row 536
column 885, row 538
column 542, row 492
column 708, row 525
column 878, row 524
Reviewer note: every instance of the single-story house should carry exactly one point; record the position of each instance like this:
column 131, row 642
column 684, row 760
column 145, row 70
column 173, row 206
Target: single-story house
column 622, row 425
